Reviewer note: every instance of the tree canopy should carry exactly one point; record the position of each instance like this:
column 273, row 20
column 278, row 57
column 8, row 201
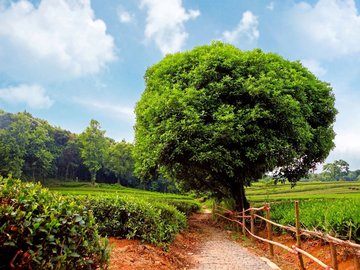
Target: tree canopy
column 92, row 148
column 119, row 159
column 336, row 170
column 217, row 118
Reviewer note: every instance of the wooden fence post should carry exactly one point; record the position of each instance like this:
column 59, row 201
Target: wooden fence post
column 252, row 224
column 236, row 224
column 243, row 222
column 214, row 211
column 298, row 240
column 333, row 253
column 269, row 229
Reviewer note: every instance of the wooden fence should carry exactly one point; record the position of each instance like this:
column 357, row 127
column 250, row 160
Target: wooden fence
column 240, row 218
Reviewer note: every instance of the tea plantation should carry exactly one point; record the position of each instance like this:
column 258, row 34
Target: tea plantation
column 43, row 229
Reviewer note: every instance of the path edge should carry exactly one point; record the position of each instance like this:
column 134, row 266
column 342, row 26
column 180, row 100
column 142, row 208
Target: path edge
column 271, row 264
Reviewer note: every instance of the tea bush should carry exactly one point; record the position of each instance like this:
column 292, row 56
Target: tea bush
column 185, row 206
column 42, row 230
column 128, row 217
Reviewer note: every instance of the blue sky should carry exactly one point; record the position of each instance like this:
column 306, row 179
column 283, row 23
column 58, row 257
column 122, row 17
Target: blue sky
column 69, row 61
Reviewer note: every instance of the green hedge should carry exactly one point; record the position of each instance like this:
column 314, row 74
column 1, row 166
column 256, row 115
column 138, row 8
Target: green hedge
column 136, row 219
column 42, row 230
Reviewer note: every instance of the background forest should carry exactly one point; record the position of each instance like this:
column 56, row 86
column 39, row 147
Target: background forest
column 32, row 149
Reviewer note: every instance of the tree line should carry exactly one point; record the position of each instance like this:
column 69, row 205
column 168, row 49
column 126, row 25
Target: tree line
column 32, row 149
column 336, row 171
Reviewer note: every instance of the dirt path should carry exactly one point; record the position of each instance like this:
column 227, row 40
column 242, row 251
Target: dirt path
column 201, row 247
column 218, row 252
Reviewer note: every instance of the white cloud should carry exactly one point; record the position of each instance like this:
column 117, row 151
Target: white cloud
column 314, row 66
column 347, row 148
column 347, row 143
column 329, row 28
column 165, row 23
column 33, row 95
column 347, row 126
column 125, row 16
column 246, row 32
column 56, row 39
column 111, row 109
column 271, row 6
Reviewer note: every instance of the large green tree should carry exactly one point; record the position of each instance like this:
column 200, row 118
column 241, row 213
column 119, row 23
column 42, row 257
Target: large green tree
column 92, row 148
column 217, row 118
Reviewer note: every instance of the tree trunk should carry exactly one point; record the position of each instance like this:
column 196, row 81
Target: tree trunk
column 33, row 173
column 93, row 178
column 238, row 193
column 67, row 171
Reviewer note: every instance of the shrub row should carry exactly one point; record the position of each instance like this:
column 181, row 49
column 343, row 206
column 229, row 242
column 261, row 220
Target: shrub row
column 338, row 216
column 136, row 219
column 42, row 230
column 185, row 206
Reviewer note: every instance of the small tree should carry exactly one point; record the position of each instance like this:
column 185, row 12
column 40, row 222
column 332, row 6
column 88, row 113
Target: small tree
column 217, row 118
column 92, row 148
column 14, row 141
column 69, row 158
column 119, row 159
column 38, row 158
column 337, row 170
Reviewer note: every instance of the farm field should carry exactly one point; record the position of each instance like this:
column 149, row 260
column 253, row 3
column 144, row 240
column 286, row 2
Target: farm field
column 331, row 207
column 60, row 217
column 325, row 206
column 85, row 188
column 257, row 192
column 261, row 192
column 184, row 203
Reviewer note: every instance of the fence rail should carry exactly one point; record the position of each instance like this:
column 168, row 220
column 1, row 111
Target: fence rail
column 235, row 217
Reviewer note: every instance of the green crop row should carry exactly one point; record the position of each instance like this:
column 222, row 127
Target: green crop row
column 84, row 188
column 184, row 204
column 135, row 218
column 340, row 217
column 45, row 230
column 42, row 230
column 268, row 191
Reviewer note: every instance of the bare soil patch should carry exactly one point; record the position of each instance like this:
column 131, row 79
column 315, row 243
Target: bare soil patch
column 133, row 254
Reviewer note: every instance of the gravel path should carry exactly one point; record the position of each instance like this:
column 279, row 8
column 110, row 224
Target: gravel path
column 218, row 252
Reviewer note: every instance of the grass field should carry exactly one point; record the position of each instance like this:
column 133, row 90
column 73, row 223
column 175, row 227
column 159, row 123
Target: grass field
column 262, row 191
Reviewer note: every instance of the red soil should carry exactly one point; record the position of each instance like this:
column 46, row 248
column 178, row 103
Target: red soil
column 317, row 248
column 133, row 254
